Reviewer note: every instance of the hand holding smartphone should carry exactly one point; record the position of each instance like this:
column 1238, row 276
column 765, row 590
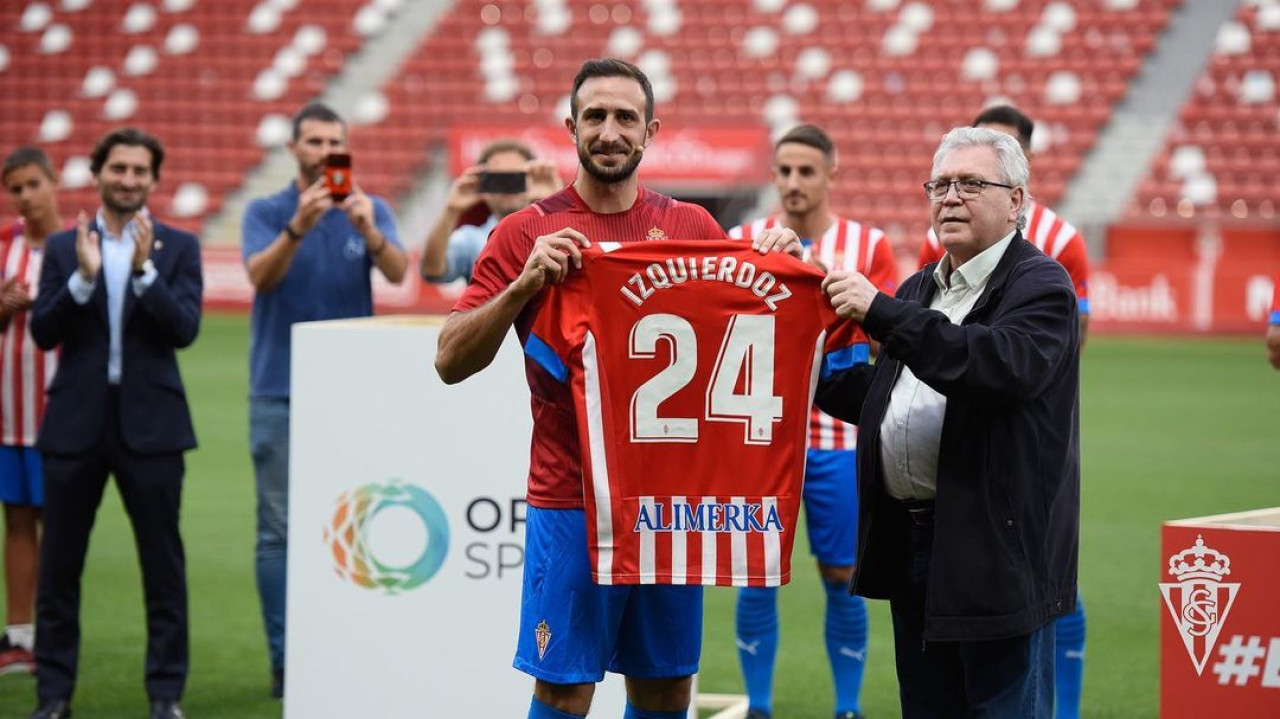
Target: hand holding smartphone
column 337, row 175
column 502, row 183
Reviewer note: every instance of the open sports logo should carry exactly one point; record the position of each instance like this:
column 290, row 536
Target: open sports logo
column 353, row 532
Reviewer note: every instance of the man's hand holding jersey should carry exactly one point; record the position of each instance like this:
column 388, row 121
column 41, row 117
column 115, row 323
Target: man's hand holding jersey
column 549, row 261
column 778, row 239
column 851, row 293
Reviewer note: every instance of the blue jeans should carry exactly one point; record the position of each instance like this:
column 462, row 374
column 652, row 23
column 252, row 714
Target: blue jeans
column 269, row 445
column 992, row 679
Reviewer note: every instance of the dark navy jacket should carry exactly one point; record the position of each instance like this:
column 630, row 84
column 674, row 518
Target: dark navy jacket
column 154, row 417
column 1008, row 486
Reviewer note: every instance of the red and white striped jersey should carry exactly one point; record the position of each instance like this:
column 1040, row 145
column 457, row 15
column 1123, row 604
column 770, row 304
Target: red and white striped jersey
column 693, row 366
column 25, row 370
column 1050, row 234
column 846, row 245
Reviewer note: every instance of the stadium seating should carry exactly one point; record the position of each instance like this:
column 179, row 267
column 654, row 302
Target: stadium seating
column 885, row 77
column 1221, row 159
column 201, row 75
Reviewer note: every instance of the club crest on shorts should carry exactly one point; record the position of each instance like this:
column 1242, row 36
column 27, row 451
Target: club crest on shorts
column 1199, row 600
column 543, row 634
column 656, row 233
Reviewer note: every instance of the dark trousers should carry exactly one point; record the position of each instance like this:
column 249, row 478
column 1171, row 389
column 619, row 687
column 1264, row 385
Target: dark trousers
column 151, row 488
column 992, row 679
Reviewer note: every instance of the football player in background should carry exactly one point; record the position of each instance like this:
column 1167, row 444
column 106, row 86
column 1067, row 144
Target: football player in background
column 32, row 186
column 804, row 168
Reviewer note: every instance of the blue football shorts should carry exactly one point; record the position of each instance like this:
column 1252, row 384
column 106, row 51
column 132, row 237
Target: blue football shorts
column 21, row 476
column 572, row 630
column 831, row 505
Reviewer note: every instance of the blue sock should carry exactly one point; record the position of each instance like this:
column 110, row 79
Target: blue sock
column 634, row 713
column 846, row 634
column 757, row 628
column 1068, row 663
column 538, row 710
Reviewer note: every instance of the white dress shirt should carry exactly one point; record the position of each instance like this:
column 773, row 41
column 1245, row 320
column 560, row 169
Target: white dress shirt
column 912, row 427
column 117, row 268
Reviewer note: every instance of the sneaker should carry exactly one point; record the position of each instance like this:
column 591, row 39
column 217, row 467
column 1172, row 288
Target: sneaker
column 15, row 659
column 758, row 714
column 849, row 715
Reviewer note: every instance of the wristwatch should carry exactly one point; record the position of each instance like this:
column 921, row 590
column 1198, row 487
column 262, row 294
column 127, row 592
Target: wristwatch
column 147, row 266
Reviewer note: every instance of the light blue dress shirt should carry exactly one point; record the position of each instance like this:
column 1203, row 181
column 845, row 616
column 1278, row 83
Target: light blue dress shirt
column 465, row 243
column 117, row 268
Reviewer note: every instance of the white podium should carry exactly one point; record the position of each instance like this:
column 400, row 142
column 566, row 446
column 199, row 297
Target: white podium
column 406, row 533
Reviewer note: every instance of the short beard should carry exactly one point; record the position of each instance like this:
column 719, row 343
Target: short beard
column 120, row 209
column 609, row 175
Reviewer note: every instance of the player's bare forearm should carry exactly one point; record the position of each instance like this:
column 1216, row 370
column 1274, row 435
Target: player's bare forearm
column 1273, row 346
column 268, row 267
column 470, row 340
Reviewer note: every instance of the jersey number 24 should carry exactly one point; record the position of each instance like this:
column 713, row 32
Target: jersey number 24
column 746, row 351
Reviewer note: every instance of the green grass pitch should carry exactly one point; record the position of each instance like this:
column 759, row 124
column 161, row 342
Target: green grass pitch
column 1172, row 428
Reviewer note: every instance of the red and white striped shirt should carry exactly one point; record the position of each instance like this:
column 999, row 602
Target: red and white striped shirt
column 1050, row 234
column 846, row 245
column 25, row 370
column 692, row 366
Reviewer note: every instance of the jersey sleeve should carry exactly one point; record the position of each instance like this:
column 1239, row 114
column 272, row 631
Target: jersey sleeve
column 930, row 250
column 1075, row 259
column 882, row 269
column 847, row 344
column 499, row 264
column 560, row 324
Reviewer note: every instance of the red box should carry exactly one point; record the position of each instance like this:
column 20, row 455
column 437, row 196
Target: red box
column 1220, row 616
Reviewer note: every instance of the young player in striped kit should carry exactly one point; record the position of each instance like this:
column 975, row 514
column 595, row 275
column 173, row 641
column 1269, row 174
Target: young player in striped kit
column 24, row 373
column 803, row 169
column 1060, row 240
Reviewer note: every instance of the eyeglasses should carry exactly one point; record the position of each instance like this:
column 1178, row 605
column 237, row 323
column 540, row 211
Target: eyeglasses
column 966, row 189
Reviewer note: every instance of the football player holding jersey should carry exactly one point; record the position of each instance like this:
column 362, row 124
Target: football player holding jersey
column 571, row 629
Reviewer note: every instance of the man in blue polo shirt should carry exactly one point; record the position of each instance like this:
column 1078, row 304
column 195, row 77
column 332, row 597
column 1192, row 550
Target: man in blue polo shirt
column 309, row 257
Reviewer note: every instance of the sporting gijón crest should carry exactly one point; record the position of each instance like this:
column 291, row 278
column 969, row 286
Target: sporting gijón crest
column 1199, row 601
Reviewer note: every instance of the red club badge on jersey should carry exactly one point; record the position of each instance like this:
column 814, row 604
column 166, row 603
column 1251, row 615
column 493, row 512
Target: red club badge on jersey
column 543, row 634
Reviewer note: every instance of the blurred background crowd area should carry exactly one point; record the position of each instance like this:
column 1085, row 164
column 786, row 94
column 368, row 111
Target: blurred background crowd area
column 1156, row 120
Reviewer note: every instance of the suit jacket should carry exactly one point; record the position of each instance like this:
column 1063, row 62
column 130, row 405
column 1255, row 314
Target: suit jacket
column 154, row 416
column 1006, row 513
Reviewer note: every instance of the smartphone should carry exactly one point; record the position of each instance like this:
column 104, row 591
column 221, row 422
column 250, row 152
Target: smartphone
column 337, row 175
column 502, row 183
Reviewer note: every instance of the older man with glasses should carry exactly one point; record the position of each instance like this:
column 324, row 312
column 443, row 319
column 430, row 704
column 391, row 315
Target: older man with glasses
column 969, row 461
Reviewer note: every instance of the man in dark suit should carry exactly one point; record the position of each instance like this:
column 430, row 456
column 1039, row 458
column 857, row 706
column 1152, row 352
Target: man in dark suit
column 119, row 294
column 968, row 445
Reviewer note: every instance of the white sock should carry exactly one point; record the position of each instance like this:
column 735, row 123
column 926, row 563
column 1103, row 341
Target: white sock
column 21, row 635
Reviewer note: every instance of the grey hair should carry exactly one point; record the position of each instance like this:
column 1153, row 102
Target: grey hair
column 1010, row 158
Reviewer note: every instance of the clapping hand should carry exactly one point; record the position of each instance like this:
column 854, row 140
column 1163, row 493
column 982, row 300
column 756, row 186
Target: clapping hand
column 88, row 251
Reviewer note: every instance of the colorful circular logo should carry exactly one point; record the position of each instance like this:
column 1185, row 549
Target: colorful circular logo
column 347, row 535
